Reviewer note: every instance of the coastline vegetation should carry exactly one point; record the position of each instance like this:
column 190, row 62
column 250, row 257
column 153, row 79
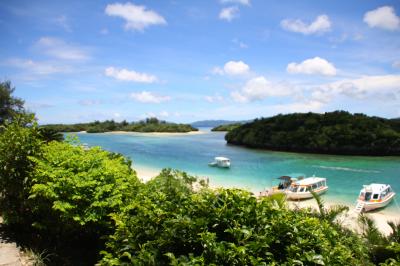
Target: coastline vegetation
column 148, row 125
column 227, row 127
column 87, row 206
column 336, row 132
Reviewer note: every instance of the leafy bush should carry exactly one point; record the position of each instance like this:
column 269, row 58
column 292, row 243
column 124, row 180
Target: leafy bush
column 76, row 190
column 168, row 223
column 18, row 140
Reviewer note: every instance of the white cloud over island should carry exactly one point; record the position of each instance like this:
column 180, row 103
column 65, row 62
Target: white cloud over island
column 229, row 13
column 137, row 17
column 129, row 75
column 59, row 49
column 383, row 17
column 320, row 25
column 149, row 97
column 316, row 66
column 259, row 88
column 232, row 68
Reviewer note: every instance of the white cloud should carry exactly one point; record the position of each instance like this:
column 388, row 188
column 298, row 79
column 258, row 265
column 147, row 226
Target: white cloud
column 320, row 25
column 232, row 68
column 240, row 43
column 383, row 17
column 38, row 67
column 396, row 64
column 57, row 48
column 62, row 21
column 314, row 65
column 137, row 17
column 260, row 88
column 129, row 75
column 373, row 87
column 89, row 102
column 149, row 97
column 164, row 114
column 229, row 13
column 242, row 2
column 213, row 99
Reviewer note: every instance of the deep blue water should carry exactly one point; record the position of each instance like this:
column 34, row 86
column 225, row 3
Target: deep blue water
column 251, row 169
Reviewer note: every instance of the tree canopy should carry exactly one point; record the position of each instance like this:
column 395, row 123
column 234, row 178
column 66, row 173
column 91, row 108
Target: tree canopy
column 9, row 104
column 226, row 127
column 148, row 125
column 331, row 133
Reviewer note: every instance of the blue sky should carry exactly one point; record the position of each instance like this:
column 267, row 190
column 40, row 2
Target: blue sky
column 182, row 61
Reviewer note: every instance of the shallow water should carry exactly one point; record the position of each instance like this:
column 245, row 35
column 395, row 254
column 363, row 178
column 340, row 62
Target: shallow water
column 252, row 169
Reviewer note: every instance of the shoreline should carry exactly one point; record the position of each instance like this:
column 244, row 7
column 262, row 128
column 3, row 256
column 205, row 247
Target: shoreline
column 119, row 132
column 347, row 219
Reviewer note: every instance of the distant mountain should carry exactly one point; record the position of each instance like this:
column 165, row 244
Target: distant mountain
column 214, row 123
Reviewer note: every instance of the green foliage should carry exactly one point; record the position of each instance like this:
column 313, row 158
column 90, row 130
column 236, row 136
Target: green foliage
column 10, row 106
column 227, row 127
column 384, row 250
column 19, row 139
column 79, row 189
column 148, row 125
column 331, row 213
column 169, row 223
column 333, row 133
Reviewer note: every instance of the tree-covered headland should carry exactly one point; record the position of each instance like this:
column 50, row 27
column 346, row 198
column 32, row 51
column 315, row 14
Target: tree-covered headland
column 226, row 127
column 337, row 132
column 148, row 125
column 76, row 206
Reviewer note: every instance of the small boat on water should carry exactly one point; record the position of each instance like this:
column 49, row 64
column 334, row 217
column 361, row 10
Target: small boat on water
column 222, row 162
column 301, row 189
column 374, row 196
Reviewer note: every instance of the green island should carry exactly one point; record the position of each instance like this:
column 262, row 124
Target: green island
column 227, row 127
column 336, row 132
column 148, row 125
column 71, row 205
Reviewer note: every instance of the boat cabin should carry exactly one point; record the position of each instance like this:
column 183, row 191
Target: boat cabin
column 221, row 162
column 308, row 184
column 374, row 192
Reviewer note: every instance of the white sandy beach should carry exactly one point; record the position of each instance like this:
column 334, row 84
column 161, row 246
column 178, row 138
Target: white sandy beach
column 157, row 133
column 348, row 219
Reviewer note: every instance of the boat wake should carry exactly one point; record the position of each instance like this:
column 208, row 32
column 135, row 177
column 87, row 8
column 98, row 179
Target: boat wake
column 345, row 169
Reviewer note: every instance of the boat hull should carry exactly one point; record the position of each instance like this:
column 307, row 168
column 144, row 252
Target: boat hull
column 370, row 206
column 304, row 195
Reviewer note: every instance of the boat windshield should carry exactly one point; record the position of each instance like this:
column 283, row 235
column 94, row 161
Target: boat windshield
column 368, row 196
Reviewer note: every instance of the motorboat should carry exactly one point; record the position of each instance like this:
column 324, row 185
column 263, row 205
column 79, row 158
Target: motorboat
column 284, row 184
column 301, row 189
column 222, row 162
column 374, row 196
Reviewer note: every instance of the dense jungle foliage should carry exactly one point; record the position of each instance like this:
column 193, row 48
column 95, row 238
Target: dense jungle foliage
column 83, row 206
column 147, row 125
column 331, row 133
column 227, row 127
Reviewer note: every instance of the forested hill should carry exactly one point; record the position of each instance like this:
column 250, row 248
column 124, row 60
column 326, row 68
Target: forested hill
column 336, row 132
column 148, row 125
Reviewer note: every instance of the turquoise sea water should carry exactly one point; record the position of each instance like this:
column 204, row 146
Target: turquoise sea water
column 252, row 169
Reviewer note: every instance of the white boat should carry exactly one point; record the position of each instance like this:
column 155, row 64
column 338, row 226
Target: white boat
column 284, row 184
column 301, row 189
column 222, row 162
column 374, row 196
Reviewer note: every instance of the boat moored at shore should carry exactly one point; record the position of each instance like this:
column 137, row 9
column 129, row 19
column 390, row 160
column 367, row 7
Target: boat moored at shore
column 301, row 189
column 374, row 196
